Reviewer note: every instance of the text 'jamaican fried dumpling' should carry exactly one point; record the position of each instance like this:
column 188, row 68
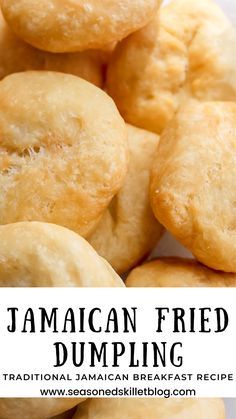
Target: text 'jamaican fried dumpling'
column 63, row 150
column 151, row 408
column 36, row 254
column 193, row 182
column 187, row 51
column 16, row 55
column 64, row 26
column 128, row 230
column 178, row 272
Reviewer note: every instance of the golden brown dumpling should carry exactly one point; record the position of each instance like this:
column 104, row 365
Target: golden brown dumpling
column 187, row 51
column 66, row 26
column 193, row 182
column 128, row 230
column 63, row 150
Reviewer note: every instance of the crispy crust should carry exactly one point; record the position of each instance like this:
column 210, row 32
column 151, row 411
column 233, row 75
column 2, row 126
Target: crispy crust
column 128, row 230
column 30, row 253
column 178, row 272
column 187, row 51
column 69, row 25
column 193, row 182
column 63, row 150
column 16, row 56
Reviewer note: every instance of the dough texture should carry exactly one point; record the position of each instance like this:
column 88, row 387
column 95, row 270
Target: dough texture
column 178, row 272
column 187, row 51
column 63, row 150
column 35, row 254
column 151, row 408
column 16, row 56
column 193, row 182
column 128, row 230
column 76, row 25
